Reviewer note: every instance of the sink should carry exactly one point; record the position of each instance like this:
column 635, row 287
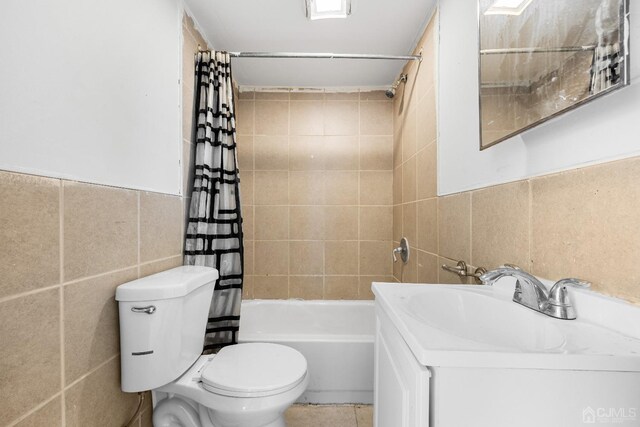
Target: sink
column 480, row 326
column 480, row 318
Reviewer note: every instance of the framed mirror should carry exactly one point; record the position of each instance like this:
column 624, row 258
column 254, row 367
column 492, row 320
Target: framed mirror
column 541, row 58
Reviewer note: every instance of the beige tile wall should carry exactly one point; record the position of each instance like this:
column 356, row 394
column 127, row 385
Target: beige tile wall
column 581, row 223
column 316, row 172
column 65, row 247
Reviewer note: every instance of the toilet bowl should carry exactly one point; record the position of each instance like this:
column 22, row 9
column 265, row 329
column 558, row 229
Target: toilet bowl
column 244, row 385
column 163, row 318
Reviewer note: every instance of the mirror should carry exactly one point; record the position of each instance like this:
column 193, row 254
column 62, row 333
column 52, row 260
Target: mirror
column 541, row 58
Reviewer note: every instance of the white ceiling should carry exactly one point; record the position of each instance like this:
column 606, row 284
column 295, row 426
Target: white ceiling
column 375, row 26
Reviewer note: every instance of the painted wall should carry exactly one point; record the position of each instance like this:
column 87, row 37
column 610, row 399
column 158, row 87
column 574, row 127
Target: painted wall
column 598, row 132
column 89, row 91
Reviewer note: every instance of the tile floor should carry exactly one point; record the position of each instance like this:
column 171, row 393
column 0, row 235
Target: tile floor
column 330, row 416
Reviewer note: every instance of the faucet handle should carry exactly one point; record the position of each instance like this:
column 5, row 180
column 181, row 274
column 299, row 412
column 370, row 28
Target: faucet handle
column 558, row 294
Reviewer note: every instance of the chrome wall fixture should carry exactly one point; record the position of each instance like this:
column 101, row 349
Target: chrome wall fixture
column 403, row 250
column 303, row 55
column 391, row 92
column 462, row 270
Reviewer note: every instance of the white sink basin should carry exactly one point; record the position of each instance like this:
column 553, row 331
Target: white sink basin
column 480, row 326
column 485, row 320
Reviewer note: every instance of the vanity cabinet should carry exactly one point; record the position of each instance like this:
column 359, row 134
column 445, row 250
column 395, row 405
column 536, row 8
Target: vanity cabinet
column 401, row 384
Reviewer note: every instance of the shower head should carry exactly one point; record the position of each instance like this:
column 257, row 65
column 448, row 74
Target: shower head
column 391, row 92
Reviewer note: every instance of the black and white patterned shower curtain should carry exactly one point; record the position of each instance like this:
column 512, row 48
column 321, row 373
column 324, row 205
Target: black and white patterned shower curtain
column 214, row 234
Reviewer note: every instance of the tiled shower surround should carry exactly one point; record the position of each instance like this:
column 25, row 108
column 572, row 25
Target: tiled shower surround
column 581, row 223
column 316, row 183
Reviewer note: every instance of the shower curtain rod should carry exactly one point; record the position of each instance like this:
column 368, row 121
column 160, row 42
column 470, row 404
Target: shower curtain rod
column 324, row 56
column 538, row 50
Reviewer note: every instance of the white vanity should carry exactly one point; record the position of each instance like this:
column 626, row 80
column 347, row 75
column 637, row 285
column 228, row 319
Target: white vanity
column 457, row 356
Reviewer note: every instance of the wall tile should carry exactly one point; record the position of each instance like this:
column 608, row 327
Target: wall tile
column 426, row 123
column 91, row 322
column 272, row 117
column 306, row 287
column 245, row 113
column 248, row 221
column 376, row 153
column 376, row 187
column 306, row 258
column 249, row 257
column 246, row 188
column 247, row 287
column 397, row 185
column 30, row 233
column 307, row 118
column 341, row 222
column 97, row 399
column 271, row 223
column 306, row 223
column 427, row 222
column 273, row 96
column 30, row 337
column 271, row 287
column 375, row 258
column 409, row 138
column 306, row 153
column 341, row 96
column 160, row 226
column 341, row 187
column 341, row 287
column 365, row 282
column 341, row 152
column 244, row 152
column 397, row 223
column 427, row 267
column 306, row 188
column 409, row 223
column 373, row 95
column 271, row 152
column 341, row 258
column 426, row 171
column 454, row 226
column 307, row 95
column 500, row 226
column 376, row 223
column 585, row 222
column 375, row 118
column 271, row 258
column 341, row 118
column 50, row 415
column 100, row 229
column 271, row 188
column 409, row 191
column 157, row 266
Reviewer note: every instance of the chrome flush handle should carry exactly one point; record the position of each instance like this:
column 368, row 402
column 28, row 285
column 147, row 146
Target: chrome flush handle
column 150, row 309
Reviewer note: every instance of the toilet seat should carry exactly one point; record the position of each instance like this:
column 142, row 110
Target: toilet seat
column 254, row 370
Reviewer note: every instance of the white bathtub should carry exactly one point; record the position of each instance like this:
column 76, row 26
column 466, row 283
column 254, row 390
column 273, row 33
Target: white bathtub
column 336, row 337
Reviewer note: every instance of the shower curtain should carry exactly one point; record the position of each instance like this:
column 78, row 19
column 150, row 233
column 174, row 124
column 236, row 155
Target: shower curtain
column 214, row 233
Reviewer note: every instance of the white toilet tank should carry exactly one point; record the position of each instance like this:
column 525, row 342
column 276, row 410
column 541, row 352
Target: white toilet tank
column 163, row 318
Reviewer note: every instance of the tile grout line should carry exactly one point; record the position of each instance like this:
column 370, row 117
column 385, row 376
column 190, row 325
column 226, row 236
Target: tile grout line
column 34, row 410
column 61, row 297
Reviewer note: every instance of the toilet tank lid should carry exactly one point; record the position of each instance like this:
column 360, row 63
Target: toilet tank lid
column 173, row 283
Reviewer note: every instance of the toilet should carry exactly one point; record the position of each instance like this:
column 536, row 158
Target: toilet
column 163, row 318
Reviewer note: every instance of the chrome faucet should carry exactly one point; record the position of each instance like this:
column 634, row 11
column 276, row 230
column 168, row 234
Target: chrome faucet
column 531, row 293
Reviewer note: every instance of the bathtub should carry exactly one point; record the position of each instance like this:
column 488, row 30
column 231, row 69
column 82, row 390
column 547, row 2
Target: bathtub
column 336, row 337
